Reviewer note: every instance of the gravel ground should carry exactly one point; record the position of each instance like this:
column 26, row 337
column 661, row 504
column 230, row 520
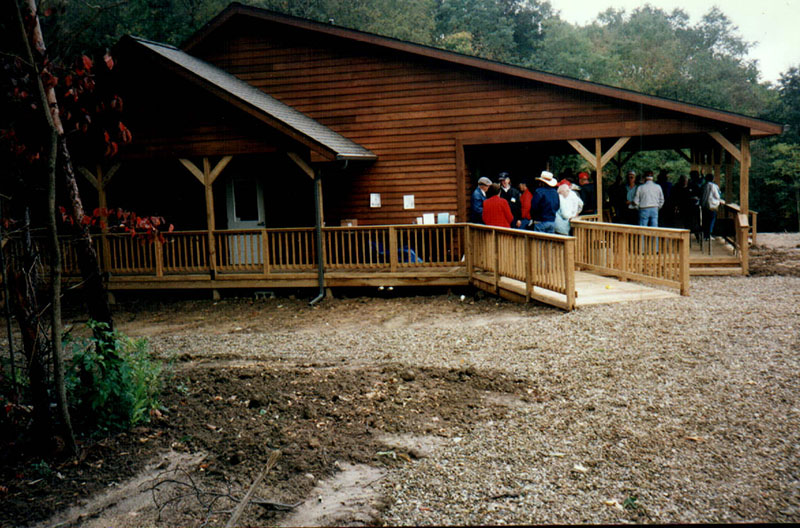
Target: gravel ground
column 672, row 411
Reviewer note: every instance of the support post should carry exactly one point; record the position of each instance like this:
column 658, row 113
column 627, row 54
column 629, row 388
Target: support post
column 207, row 177
column 569, row 272
column 598, row 152
column 496, row 262
column 684, row 242
column 320, row 251
column 393, row 247
column 210, row 220
column 744, row 176
column 468, row 251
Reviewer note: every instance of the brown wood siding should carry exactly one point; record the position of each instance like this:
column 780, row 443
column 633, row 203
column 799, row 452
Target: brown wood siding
column 412, row 111
column 173, row 118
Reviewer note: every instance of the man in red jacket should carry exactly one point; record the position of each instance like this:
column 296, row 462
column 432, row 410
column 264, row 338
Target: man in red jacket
column 496, row 211
column 525, row 201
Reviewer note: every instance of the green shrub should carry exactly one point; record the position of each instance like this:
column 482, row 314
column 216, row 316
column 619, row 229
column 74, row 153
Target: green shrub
column 112, row 381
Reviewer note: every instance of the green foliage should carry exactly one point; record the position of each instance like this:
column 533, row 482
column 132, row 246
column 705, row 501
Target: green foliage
column 112, row 380
column 502, row 30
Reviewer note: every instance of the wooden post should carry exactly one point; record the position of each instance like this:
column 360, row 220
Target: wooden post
column 207, row 177
column 569, row 272
column 744, row 242
column 393, row 247
column 598, row 152
column 461, row 183
column 684, row 262
column 528, row 268
column 468, row 248
column 158, row 251
column 265, row 251
column 210, row 220
column 496, row 261
column 744, row 176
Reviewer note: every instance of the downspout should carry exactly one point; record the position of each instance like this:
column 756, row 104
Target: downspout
column 320, row 256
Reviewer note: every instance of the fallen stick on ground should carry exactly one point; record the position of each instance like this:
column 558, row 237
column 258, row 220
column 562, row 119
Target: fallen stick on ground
column 273, row 459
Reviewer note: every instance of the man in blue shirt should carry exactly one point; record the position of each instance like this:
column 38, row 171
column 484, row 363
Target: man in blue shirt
column 545, row 204
column 476, row 202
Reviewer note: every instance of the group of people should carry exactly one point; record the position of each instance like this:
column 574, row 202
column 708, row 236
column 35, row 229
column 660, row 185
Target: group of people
column 545, row 204
column 692, row 203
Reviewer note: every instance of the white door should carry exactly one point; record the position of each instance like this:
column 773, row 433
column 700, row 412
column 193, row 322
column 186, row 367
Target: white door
column 245, row 205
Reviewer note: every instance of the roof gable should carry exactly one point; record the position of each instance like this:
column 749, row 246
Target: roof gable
column 267, row 108
column 757, row 127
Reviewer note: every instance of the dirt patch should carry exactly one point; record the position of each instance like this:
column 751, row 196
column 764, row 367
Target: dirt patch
column 321, row 417
column 338, row 423
column 776, row 254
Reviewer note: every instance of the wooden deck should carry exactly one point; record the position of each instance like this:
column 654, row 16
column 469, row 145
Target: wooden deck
column 566, row 272
column 719, row 257
column 590, row 289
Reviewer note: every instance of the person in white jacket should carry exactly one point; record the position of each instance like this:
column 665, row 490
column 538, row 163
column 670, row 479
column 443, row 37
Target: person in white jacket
column 710, row 203
column 570, row 206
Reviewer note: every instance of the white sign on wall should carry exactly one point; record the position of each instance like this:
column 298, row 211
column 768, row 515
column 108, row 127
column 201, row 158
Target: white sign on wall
column 408, row 201
column 375, row 199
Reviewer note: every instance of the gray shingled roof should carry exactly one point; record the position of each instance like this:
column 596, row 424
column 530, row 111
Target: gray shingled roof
column 318, row 133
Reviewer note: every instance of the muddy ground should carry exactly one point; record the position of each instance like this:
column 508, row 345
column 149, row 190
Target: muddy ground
column 224, row 413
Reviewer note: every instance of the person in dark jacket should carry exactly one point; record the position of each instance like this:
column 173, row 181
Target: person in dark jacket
column 496, row 211
column 588, row 193
column 476, row 202
column 545, row 204
column 510, row 195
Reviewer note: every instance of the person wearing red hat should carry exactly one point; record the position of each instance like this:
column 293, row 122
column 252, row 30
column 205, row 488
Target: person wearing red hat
column 570, row 205
column 588, row 193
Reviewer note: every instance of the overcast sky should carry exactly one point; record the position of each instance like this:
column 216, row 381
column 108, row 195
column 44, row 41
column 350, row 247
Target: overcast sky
column 773, row 24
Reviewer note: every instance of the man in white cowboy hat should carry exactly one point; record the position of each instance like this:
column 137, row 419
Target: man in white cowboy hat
column 544, row 204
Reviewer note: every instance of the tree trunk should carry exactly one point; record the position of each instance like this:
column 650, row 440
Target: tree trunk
column 94, row 290
column 56, row 327
column 25, row 284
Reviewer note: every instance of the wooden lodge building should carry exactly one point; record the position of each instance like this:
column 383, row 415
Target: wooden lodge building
column 238, row 130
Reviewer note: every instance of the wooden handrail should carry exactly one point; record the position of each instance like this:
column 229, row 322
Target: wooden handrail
column 653, row 255
column 542, row 264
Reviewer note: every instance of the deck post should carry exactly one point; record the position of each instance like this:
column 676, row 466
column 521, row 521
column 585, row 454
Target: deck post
column 744, row 176
column 496, row 257
column 598, row 152
column 528, row 268
column 744, row 242
column 210, row 220
column 468, row 250
column 393, row 246
column 265, row 251
column 569, row 272
column 684, row 262
column 158, row 252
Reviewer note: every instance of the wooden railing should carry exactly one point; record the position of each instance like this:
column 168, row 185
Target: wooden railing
column 393, row 247
column 647, row 254
column 527, row 264
column 536, row 259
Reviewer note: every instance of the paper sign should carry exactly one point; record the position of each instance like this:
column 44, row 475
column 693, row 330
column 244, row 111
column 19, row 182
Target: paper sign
column 375, row 199
column 408, row 201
